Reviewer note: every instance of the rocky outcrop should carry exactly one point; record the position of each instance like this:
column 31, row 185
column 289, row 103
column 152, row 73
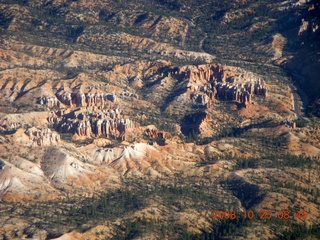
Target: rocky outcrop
column 42, row 136
column 36, row 136
column 128, row 94
column 210, row 82
column 48, row 101
column 92, row 122
column 202, row 73
column 201, row 99
column 65, row 97
column 83, row 96
column 84, row 128
column 233, row 93
column 91, row 97
column 152, row 132
column 6, row 125
column 197, row 123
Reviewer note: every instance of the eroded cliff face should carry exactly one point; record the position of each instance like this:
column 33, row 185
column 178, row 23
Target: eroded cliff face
column 209, row 82
column 85, row 108
column 121, row 97
column 87, row 98
column 200, row 86
column 91, row 122
column 87, row 111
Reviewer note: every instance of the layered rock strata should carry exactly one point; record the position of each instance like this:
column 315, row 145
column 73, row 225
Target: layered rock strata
column 210, row 82
column 93, row 97
column 92, row 122
column 79, row 98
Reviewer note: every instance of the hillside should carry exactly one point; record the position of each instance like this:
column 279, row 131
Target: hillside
column 161, row 119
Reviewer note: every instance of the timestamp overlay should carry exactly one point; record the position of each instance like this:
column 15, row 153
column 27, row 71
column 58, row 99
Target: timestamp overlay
column 261, row 215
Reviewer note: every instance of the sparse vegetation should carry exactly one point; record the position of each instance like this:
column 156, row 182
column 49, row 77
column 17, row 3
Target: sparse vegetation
column 240, row 158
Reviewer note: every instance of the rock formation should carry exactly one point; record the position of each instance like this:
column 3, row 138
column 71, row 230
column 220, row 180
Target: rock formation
column 86, row 123
column 7, row 125
column 48, row 101
column 152, row 132
column 128, row 94
column 80, row 98
column 42, row 136
column 201, row 99
column 84, row 96
column 209, row 82
column 202, row 73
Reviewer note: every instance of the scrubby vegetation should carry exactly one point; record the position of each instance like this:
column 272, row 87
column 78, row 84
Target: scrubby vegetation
column 238, row 33
column 59, row 216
